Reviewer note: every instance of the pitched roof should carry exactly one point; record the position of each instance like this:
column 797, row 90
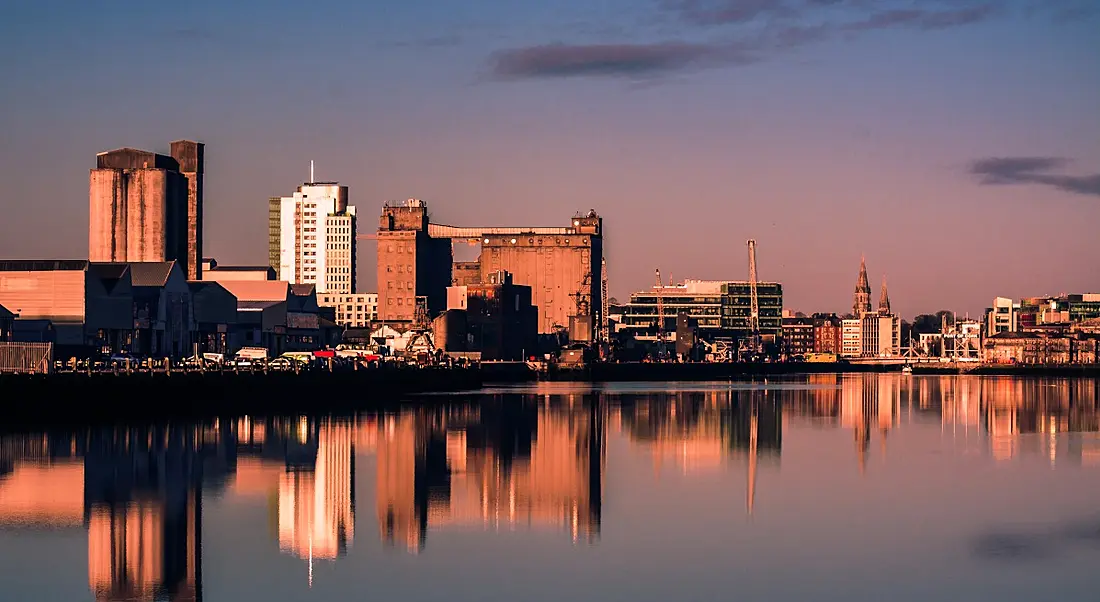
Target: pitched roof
column 198, row 286
column 257, row 290
column 303, row 290
column 108, row 273
column 43, row 265
column 151, row 273
column 255, row 305
column 5, row 313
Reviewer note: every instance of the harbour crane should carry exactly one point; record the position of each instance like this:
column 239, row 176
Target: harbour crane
column 605, row 330
column 660, row 317
column 754, row 301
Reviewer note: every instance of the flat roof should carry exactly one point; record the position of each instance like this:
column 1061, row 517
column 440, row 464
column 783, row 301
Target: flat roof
column 43, row 265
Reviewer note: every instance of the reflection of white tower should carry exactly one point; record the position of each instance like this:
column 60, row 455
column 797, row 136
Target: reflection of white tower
column 316, row 512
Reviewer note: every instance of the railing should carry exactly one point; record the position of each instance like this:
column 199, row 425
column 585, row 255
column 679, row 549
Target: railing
column 26, row 358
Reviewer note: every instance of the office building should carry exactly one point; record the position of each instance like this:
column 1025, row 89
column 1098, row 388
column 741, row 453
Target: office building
column 718, row 308
column 880, row 335
column 851, row 338
column 147, row 207
column 356, row 310
column 311, row 237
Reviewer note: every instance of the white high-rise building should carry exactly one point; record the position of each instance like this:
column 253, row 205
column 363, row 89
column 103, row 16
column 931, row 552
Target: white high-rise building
column 311, row 237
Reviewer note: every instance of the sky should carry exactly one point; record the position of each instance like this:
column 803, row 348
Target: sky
column 954, row 143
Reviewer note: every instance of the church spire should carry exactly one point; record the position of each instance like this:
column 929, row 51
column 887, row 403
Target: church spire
column 884, row 299
column 861, row 302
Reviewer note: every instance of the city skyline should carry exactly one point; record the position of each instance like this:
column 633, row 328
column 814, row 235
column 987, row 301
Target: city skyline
column 936, row 141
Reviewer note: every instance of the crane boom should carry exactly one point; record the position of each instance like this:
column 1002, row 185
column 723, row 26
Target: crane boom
column 660, row 312
column 605, row 331
column 754, row 301
column 754, row 309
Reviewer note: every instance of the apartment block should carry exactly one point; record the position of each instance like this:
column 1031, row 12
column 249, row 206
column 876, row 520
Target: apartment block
column 312, row 235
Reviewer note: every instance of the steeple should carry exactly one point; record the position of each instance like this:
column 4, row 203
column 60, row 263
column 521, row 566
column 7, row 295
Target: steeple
column 861, row 303
column 884, row 299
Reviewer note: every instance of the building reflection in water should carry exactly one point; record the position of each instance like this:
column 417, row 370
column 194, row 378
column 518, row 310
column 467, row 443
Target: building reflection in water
column 309, row 467
column 492, row 462
column 703, row 430
column 138, row 493
column 503, row 463
column 1003, row 417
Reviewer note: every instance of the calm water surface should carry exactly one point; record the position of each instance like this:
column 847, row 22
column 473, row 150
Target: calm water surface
column 859, row 487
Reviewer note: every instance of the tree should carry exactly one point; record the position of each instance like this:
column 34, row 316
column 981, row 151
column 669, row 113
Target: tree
column 932, row 323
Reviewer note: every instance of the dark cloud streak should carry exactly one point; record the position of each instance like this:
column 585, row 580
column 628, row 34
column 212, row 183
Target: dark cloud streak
column 923, row 19
column 626, row 60
column 1001, row 171
column 786, row 24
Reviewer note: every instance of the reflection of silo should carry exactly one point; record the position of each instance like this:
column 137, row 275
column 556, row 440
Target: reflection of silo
column 145, row 551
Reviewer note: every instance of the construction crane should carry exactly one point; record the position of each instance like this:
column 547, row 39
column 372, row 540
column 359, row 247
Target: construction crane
column 754, row 300
column 605, row 331
column 660, row 317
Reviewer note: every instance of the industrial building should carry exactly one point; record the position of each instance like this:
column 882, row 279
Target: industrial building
column 311, row 237
column 7, row 322
column 717, row 308
column 500, row 320
column 147, row 207
column 562, row 265
column 411, row 263
column 215, row 272
column 87, row 306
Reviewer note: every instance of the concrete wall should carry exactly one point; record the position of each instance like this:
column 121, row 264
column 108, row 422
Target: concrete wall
column 137, row 215
column 191, row 155
column 464, row 273
column 56, row 295
column 553, row 266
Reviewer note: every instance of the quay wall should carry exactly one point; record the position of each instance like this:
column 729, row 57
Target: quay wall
column 77, row 398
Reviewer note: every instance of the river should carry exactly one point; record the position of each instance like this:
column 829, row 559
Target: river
column 823, row 487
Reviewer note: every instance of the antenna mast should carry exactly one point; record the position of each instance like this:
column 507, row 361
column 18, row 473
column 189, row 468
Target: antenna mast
column 311, row 180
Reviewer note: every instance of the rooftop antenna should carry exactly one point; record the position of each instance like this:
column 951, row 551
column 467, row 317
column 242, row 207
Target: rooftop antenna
column 311, row 171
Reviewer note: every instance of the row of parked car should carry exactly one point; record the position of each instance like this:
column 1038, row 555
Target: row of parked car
column 246, row 359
